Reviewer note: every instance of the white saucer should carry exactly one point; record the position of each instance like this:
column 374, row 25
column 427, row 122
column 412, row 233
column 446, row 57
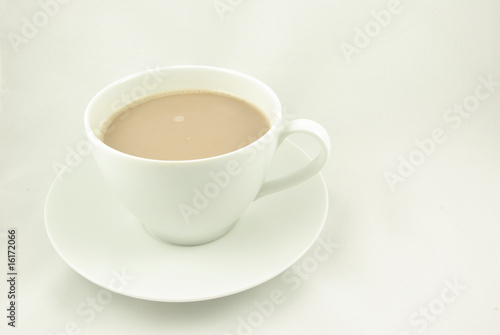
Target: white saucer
column 101, row 241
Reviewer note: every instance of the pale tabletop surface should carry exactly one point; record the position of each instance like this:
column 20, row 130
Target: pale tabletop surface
column 409, row 92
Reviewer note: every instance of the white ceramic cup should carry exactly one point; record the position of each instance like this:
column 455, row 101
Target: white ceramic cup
column 196, row 201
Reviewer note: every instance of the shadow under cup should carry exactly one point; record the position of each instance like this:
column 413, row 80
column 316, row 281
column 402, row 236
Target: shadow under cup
column 193, row 201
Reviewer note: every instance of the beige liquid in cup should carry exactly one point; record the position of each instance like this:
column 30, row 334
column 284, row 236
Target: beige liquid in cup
column 184, row 126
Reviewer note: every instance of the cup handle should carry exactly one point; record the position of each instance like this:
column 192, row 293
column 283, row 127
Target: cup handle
column 306, row 127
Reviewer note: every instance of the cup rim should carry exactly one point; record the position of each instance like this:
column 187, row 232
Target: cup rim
column 273, row 129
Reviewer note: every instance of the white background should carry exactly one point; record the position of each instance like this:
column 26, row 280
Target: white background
column 400, row 245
